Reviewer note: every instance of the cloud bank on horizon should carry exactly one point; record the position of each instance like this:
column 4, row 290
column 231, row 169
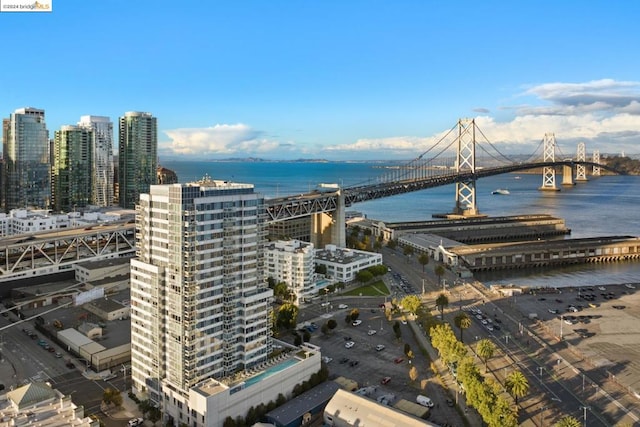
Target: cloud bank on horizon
column 605, row 114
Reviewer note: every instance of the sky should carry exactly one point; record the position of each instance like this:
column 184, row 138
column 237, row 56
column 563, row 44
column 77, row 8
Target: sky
column 333, row 79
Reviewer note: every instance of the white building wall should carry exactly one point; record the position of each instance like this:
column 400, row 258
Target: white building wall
column 292, row 262
column 200, row 305
column 344, row 264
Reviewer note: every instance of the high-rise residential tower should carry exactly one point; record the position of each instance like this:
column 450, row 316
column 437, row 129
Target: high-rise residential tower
column 72, row 169
column 138, row 156
column 200, row 304
column 102, row 159
column 26, row 170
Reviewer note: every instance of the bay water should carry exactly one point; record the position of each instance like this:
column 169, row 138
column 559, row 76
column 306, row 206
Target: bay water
column 603, row 206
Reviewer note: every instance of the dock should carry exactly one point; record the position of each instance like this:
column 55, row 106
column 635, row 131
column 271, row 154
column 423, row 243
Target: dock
column 543, row 253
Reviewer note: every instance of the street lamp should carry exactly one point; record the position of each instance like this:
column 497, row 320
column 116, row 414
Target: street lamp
column 584, row 416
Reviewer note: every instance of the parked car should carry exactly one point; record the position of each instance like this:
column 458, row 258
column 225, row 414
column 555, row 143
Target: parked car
column 398, row 360
column 134, row 422
column 372, row 332
column 349, row 344
column 385, row 380
column 379, row 347
column 424, row 401
column 342, row 306
column 357, row 322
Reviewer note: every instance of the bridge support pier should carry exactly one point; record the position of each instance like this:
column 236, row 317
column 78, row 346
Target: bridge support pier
column 548, row 172
column 330, row 228
column 567, row 175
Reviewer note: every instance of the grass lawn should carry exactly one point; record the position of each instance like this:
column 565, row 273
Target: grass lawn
column 375, row 289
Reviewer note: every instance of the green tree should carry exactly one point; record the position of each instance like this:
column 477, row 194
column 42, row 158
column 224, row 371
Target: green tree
column 568, row 421
column 281, row 291
column 462, row 321
column 486, row 349
column 407, row 251
column 392, row 244
column 441, row 302
column 354, row 314
column 332, row 324
column 363, row 276
column 112, row 397
column 411, row 303
column 423, row 259
column 439, row 270
column 397, row 331
column 517, row 384
column 287, row 316
column 377, row 246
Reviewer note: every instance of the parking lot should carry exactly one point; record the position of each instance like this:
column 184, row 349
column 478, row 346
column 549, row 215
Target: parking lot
column 376, row 359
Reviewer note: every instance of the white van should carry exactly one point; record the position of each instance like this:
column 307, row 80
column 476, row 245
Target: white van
column 424, row 401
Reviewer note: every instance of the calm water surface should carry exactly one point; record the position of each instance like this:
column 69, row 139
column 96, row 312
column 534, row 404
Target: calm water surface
column 604, row 206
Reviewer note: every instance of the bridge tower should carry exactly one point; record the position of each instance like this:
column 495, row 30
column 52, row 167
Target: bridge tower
column 466, row 164
column 596, row 160
column 581, row 170
column 549, row 173
column 330, row 228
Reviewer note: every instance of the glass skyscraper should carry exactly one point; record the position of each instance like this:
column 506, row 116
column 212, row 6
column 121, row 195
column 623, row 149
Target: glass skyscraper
column 102, row 159
column 138, row 156
column 26, row 160
column 71, row 172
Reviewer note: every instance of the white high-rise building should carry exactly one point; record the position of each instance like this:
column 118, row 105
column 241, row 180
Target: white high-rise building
column 102, row 159
column 292, row 262
column 200, row 304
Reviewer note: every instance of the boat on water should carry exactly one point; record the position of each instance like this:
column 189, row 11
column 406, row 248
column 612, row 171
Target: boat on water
column 501, row 191
column 516, row 177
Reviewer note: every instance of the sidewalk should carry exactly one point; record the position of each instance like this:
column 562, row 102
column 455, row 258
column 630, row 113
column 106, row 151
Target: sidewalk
column 449, row 383
column 127, row 411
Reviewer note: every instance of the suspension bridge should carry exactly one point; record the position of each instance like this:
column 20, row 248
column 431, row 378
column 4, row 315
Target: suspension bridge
column 433, row 168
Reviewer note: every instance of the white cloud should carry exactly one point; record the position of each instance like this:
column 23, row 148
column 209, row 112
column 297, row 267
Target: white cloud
column 218, row 139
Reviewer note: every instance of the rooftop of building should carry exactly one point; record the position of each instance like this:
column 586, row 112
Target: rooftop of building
column 342, row 255
column 466, row 222
column 427, row 240
column 289, row 246
column 105, row 263
column 495, row 249
column 297, row 407
column 38, row 402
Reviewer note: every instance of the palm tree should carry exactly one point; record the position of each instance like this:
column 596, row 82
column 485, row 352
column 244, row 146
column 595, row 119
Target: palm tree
column 517, row 384
column 462, row 321
column 439, row 270
column 568, row 421
column 424, row 260
column 485, row 350
column 441, row 302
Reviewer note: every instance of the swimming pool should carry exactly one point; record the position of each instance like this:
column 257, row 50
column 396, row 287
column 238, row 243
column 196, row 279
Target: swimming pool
column 269, row 371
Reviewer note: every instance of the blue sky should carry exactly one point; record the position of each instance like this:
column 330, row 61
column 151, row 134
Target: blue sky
column 333, row 79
